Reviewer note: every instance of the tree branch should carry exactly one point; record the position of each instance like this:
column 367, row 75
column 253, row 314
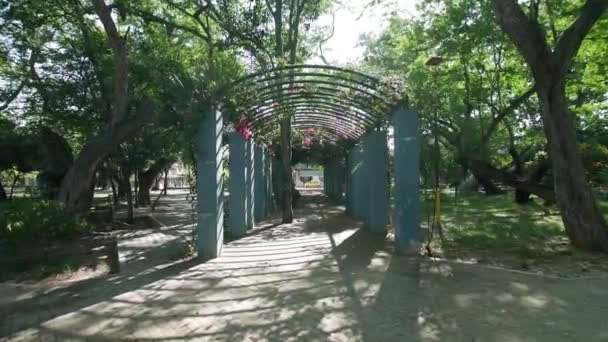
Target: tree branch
column 571, row 39
column 504, row 112
column 525, row 34
column 119, row 55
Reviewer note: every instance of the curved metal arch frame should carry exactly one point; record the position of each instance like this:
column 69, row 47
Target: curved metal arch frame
column 325, row 97
column 323, row 133
column 345, row 86
column 302, row 66
column 323, row 118
column 311, row 105
column 304, row 113
column 323, row 102
column 328, row 126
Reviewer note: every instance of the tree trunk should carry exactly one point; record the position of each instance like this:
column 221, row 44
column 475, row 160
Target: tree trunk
column 147, row 179
column 13, row 184
column 486, row 182
column 114, row 194
column 76, row 191
column 2, row 192
column 488, row 171
column 584, row 223
column 136, row 181
column 166, row 182
column 125, row 182
column 468, row 184
column 288, row 180
column 521, row 196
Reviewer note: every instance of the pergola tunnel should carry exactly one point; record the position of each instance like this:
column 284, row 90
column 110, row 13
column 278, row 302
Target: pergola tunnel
column 349, row 113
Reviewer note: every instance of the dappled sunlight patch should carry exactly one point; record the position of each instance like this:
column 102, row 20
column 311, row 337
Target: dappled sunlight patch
column 466, row 300
column 534, row 301
column 437, row 268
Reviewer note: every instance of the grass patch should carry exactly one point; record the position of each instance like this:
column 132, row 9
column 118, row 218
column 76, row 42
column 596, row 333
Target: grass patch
column 491, row 228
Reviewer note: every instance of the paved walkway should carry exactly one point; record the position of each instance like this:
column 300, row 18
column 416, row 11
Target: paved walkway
column 318, row 279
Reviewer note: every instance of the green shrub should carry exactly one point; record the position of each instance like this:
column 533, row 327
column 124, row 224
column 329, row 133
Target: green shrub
column 28, row 219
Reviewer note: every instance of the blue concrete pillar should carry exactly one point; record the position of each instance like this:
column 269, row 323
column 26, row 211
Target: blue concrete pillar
column 359, row 183
column 331, row 175
column 340, row 178
column 333, row 171
column 325, row 180
column 268, row 173
column 407, row 149
column 259, row 184
column 349, row 181
column 376, row 217
column 250, row 183
column 238, row 200
column 210, row 185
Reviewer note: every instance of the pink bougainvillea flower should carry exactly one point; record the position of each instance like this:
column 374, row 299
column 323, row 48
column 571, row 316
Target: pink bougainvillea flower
column 243, row 127
column 307, row 142
column 310, row 131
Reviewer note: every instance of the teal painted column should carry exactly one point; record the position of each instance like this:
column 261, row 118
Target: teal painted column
column 329, row 181
column 250, row 183
column 334, row 174
column 407, row 150
column 359, row 176
column 340, row 177
column 238, row 200
column 349, row 185
column 325, row 187
column 210, row 186
column 259, row 184
column 375, row 161
column 268, row 173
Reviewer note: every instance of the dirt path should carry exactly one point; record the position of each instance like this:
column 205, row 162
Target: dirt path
column 318, row 279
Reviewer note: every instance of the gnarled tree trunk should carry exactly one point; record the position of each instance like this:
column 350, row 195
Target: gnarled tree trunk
column 484, row 168
column 148, row 178
column 77, row 186
column 76, row 190
column 2, row 192
column 584, row 223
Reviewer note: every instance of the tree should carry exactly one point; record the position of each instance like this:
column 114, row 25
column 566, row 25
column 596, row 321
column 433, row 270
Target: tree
column 584, row 223
column 77, row 186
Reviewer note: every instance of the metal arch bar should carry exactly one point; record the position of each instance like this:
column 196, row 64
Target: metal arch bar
column 331, row 98
column 314, row 117
column 318, row 118
column 304, row 114
column 326, row 124
column 310, row 103
column 320, row 110
column 324, row 133
column 347, row 86
column 326, row 119
column 320, row 91
column 329, row 125
column 295, row 77
column 346, row 111
column 329, row 90
column 302, row 66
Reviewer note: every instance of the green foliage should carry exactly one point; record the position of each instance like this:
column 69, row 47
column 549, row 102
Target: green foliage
column 28, row 219
column 480, row 74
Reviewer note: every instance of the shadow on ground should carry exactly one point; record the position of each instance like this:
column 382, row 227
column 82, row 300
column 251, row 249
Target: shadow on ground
column 322, row 278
